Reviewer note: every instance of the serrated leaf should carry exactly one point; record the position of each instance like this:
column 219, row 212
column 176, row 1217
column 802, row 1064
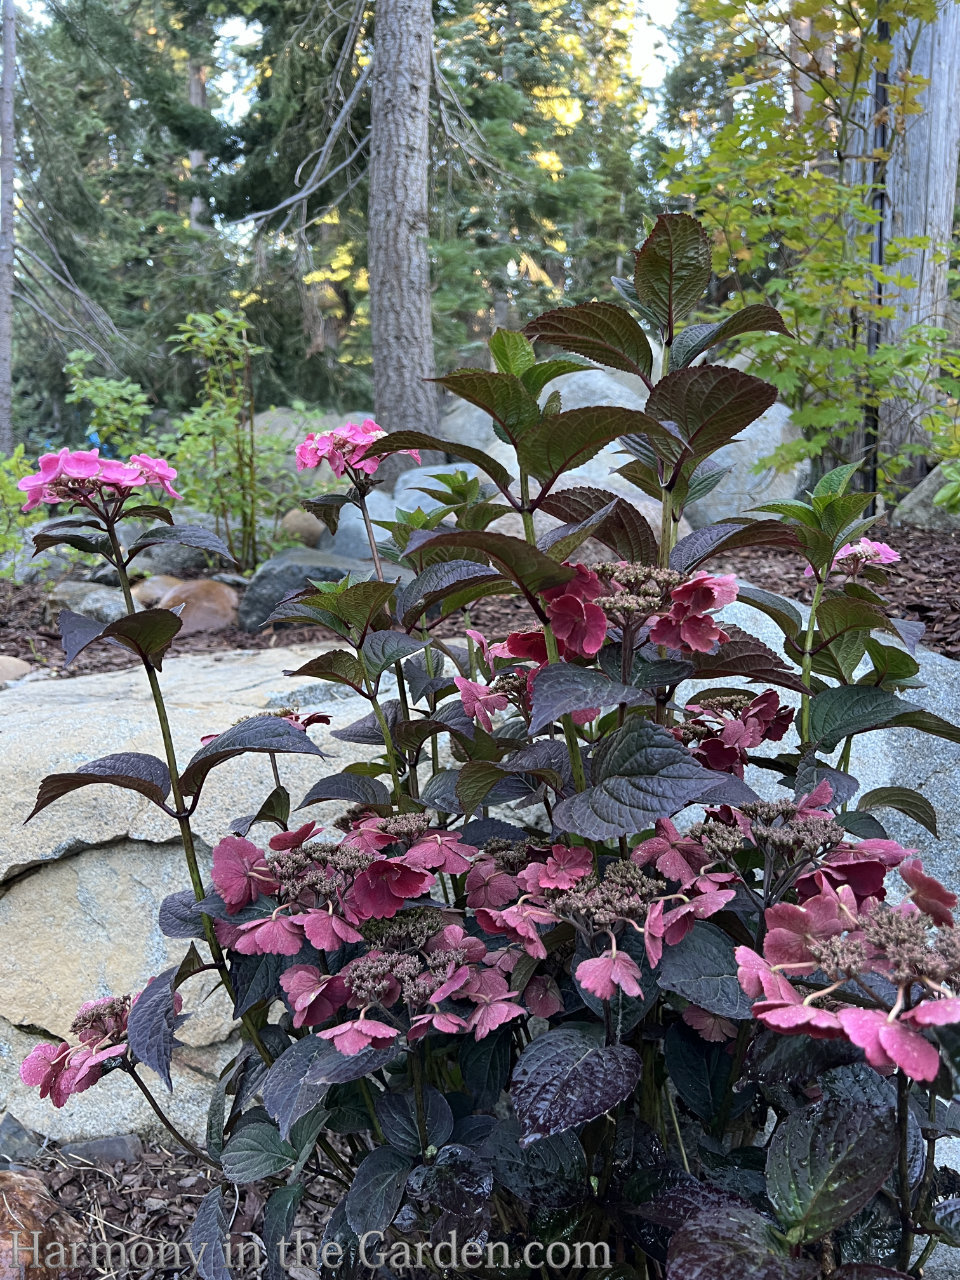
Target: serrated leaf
column 745, row 655
column 709, row 405
column 458, row 1182
column 502, row 395
column 397, row 1113
column 695, row 339
column 601, row 331
column 278, row 1219
column 565, row 1078
column 672, row 269
column 835, row 482
column 328, row 507
column 783, row 612
column 540, row 375
column 187, row 535
column 719, row 539
column 511, row 352
column 826, row 1161
column 130, row 770
column 642, row 773
column 153, row 1023
column 437, row 582
column 530, row 569
column 178, row 916
column 397, row 441
column 381, row 649
column 622, row 528
column 732, row 1241
column 275, row 809
column 377, row 1190
column 700, row 1072
column 564, row 687
column 703, row 969
column 256, row 1151
column 563, row 441
column 904, row 800
column 338, row 666
column 926, row 722
column 209, row 1237
column 300, row 1077
column 551, row 1172
column 346, row 786
column 851, row 709
column 258, row 734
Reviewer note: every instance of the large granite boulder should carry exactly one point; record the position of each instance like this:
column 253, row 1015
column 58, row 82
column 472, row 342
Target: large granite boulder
column 287, row 571
column 918, row 510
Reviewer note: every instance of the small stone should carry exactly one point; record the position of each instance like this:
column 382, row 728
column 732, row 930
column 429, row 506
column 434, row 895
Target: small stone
column 207, row 606
column 919, row 511
column 351, row 536
column 106, row 604
column 150, row 591
column 68, row 595
column 306, row 528
column 125, row 1148
column 13, row 669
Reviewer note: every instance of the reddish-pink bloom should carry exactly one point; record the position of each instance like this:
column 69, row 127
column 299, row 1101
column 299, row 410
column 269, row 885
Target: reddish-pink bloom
column 566, row 865
column 676, row 857
column 528, row 646
column 274, row 936
column 489, row 886
column 852, row 557
column 435, row 1020
column 934, row 1013
column 366, row 834
column 365, row 1033
column 453, row 937
column 492, row 996
column 88, row 1064
column 48, row 1065
column 709, row 1026
column 687, row 624
column 345, row 447
column 791, row 929
column 581, row 626
column 155, row 471
column 670, row 927
column 479, row 701
column 294, row 839
column 605, row 975
column 763, row 720
column 888, row 1043
column 326, row 931
column 315, row 997
column 929, row 895
column 519, row 924
column 241, row 873
column 440, row 850
column 380, row 891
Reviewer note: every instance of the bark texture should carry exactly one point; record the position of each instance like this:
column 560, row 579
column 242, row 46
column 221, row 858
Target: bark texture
column 399, row 264
column 8, row 78
column 921, row 186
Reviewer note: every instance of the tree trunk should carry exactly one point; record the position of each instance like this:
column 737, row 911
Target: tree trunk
column 197, row 89
column 8, row 80
column 399, row 263
column 921, row 185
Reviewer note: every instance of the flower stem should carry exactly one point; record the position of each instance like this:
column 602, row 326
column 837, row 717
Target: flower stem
column 666, row 527
column 903, row 1171
column 371, row 538
column 806, row 666
column 569, row 728
column 165, row 1119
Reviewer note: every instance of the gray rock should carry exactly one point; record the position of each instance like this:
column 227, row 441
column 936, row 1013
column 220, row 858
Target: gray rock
column 69, row 594
column 172, row 557
column 743, row 488
column 106, row 604
column 351, row 536
column 126, row 1148
column 16, row 1142
column 918, row 511
column 289, row 570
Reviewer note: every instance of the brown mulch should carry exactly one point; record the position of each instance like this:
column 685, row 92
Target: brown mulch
column 153, row 1203
column 924, row 587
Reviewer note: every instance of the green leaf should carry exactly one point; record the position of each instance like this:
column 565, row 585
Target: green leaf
column 792, row 509
column 511, row 352
column 278, row 1219
column 565, row 1078
column 926, row 722
column 563, row 441
column 541, row 374
column 502, row 395
column 783, row 612
column 672, row 269
column 836, row 481
column 337, row 665
column 398, row 440
column 904, row 800
column 839, row 614
column 825, row 1162
column 397, row 1113
column 256, row 1151
column 642, row 773
column 381, row 649
column 697, row 338
column 601, row 331
column 850, row 709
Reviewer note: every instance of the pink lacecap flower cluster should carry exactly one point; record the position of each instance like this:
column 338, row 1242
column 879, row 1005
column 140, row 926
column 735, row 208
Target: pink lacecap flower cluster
column 842, row 927
column 78, row 473
column 422, row 969
column 346, row 447
column 721, row 737
column 60, row 1070
column 852, row 557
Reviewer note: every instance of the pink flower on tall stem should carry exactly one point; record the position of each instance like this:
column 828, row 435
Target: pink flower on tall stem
column 344, row 448
column 688, row 624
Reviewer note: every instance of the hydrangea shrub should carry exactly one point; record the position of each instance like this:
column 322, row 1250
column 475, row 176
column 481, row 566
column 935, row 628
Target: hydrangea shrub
column 558, row 971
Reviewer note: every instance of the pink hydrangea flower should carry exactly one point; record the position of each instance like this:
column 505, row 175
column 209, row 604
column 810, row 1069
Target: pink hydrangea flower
column 852, row 557
column 688, row 624
column 440, row 850
column 581, row 625
column 241, row 873
column 888, row 1042
column 605, row 975
column 929, row 895
column 364, row 1033
column 435, row 1020
column 327, row 931
column 81, row 473
column 381, row 890
column 157, row 472
column 479, row 701
column 709, row 1026
column 315, row 997
column 489, row 885
column 48, row 1066
column 495, row 1005
column 542, row 996
column 294, row 839
column 345, row 447
column 277, row 935
column 566, row 865
column 676, row 857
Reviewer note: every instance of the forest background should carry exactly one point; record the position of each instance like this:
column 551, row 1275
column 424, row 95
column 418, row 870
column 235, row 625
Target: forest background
column 259, row 158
